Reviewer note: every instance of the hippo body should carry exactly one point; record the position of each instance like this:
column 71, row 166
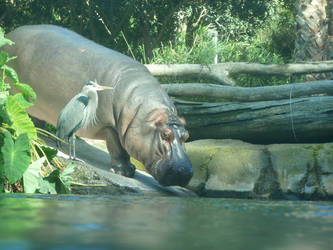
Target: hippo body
column 136, row 118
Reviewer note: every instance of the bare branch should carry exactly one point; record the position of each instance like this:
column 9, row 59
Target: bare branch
column 198, row 70
column 250, row 94
column 220, row 72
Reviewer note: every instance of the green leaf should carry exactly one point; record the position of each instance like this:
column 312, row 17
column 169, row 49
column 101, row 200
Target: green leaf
column 21, row 121
column 46, row 187
column 66, row 178
column 48, row 151
column 16, row 156
column 54, row 181
column 3, row 58
column 4, row 116
column 22, row 101
column 10, row 72
column 2, row 185
column 61, row 180
column 53, row 176
column 3, row 97
column 11, row 58
column 31, row 177
column 4, row 41
column 26, row 89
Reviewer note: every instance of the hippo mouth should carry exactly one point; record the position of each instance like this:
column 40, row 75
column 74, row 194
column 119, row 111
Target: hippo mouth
column 169, row 173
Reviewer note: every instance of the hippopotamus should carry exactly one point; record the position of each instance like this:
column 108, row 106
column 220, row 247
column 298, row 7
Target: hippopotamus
column 136, row 118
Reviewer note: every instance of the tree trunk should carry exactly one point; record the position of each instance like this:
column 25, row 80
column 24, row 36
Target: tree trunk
column 329, row 11
column 312, row 33
column 281, row 121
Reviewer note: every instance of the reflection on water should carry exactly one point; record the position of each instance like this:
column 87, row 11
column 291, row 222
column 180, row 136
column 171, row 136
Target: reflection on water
column 140, row 222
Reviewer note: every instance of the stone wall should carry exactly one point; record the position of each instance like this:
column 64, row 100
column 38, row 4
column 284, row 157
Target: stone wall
column 232, row 168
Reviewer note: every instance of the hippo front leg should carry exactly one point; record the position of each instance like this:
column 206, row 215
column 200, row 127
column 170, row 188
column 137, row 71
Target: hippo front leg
column 120, row 159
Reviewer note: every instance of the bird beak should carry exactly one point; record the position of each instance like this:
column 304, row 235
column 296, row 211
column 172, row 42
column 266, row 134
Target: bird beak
column 101, row 87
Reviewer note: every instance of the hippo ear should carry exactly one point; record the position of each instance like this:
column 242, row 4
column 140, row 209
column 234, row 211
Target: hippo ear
column 157, row 118
column 182, row 121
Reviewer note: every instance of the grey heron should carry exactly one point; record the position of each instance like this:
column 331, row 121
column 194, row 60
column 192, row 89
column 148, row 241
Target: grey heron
column 79, row 112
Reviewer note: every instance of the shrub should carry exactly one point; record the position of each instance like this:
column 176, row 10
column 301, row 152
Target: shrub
column 271, row 43
column 22, row 155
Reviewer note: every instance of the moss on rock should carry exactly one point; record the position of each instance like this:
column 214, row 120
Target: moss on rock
column 238, row 169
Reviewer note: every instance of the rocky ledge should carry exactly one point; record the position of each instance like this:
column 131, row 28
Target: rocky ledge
column 222, row 168
column 232, row 168
column 92, row 175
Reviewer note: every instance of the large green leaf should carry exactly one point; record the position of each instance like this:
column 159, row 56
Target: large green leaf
column 16, row 156
column 31, row 177
column 21, row 121
column 10, row 72
column 26, row 89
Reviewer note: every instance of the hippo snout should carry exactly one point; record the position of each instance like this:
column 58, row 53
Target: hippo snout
column 170, row 173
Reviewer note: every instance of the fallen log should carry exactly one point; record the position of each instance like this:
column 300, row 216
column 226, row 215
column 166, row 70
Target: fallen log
column 211, row 72
column 249, row 93
column 220, row 72
column 279, row 121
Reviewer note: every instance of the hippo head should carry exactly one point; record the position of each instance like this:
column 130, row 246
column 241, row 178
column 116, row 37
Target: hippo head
column 161, row 139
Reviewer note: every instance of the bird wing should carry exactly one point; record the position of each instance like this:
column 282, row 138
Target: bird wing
column 70, row 118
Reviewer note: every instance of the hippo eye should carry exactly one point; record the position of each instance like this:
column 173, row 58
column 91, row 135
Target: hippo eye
column 166, row 134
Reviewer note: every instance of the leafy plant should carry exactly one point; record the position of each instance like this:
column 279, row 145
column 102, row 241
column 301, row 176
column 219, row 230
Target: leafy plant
column 23, row 157
column 16, row 156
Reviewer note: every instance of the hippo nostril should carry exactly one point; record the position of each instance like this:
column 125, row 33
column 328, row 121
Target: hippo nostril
column 180, row 170
column 175, row 173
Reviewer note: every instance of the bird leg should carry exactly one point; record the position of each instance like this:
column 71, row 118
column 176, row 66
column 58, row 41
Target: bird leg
column 72, row 152
column 74, row 155
column 120, row 159
column 72, row 147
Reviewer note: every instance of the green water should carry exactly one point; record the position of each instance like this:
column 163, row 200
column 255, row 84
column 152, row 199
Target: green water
column 140, row 222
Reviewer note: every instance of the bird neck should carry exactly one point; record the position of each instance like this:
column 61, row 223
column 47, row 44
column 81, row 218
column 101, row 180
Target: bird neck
column 90, row 117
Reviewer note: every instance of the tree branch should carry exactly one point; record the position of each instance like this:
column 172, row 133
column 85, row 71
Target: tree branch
column 220, row 72
column 250, row 94
column 184, row 70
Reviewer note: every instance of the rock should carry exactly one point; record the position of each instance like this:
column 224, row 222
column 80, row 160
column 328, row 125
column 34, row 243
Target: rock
column 222, row 168
column 92, row 175
column 232, row 168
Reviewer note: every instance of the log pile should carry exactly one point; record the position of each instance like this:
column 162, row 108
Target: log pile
column 297, row 120
column 293, row 113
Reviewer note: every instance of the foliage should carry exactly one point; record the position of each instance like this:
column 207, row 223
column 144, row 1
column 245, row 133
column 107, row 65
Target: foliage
column 22, row 157
column 173, row 31
column 201, row 51
column 241, row 41
column 16, row 156
column 145, row 24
